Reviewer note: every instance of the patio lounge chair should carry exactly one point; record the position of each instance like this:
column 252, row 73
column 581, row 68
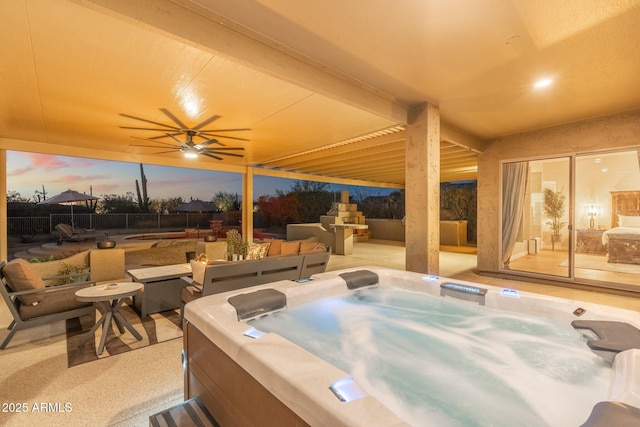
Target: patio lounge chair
column 68, row 233
column 32, row 304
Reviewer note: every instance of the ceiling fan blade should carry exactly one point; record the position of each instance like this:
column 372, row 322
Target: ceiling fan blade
column 156, row 142
column 206, row 122
column 165, row 135
column 223, row 130
column 151, row 129
column 224, row 149
column 206, row 138
column 150, row 121
column 207, row 142
column 174, row 118
column 212, row 135
column 147, row 146
column 170, row 151
column 182, row 144
column 211, row 155
column 222, row 154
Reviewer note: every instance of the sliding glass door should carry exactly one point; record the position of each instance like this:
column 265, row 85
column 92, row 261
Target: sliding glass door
column 536, row 210
column 599, row 193
column 608, row 217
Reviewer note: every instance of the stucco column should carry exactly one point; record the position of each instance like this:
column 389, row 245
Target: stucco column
column 247, row 205
column 422, row 190
column 4, row 251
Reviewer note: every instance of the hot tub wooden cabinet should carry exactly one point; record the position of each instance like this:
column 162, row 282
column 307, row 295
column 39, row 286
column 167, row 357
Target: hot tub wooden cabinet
column 233, row 397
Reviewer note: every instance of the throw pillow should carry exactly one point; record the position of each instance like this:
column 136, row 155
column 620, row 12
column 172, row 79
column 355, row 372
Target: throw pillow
column 21, row 276
column 275, row 246
column 290, row 248
column 258, row 250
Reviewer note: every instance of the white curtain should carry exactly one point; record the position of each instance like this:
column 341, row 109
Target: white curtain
column 514, row 184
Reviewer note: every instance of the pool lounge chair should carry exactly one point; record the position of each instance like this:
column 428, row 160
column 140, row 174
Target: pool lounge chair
column 66, row 232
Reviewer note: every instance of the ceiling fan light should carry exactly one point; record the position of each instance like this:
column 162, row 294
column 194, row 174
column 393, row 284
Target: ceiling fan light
column 191, row 155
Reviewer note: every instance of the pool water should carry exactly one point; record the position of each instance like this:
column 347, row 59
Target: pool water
column 437, row 361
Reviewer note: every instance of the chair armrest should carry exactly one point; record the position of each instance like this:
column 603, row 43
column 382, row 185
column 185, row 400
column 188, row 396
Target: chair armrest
column 188, row 281
column 51, row 288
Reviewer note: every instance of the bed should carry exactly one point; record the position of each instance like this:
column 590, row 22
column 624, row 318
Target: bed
column 623, row 239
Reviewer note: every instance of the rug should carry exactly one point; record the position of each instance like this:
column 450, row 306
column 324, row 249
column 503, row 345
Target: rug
column 599, row 262
column 155, row 328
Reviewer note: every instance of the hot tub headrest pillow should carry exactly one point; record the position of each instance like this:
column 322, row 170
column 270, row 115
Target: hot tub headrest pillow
column 254, row 304
column 360, row 278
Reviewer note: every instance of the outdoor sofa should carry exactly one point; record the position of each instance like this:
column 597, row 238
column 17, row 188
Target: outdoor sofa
column 281, row 260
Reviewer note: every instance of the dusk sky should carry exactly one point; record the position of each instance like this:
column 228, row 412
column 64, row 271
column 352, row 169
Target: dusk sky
column 28, row 172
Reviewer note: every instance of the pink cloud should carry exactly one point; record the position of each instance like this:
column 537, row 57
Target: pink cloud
column 18, row 172
column 46, row 161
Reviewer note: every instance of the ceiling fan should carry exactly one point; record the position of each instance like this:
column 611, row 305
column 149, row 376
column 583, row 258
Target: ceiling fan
column 190, row 147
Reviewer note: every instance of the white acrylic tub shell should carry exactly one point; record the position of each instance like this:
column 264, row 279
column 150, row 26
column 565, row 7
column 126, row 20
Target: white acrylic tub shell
column 301, row 380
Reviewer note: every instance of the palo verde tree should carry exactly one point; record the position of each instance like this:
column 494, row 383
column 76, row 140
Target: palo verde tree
column 113, row 203
column 226, row 202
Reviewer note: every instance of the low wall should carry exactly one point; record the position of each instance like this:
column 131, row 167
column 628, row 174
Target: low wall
column 386, row 229
column 105, row 264
column 306, row 231
column 451, row 232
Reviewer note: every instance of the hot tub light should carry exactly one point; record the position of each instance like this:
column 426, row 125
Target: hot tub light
column 465, row 292
column 253, row 333
column 431, row 278
column 512, row 293
column 346, row 390
column 464, row 288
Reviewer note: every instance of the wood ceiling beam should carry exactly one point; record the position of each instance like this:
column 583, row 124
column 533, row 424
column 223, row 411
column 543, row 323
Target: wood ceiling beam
column 332, row 158
column 368, row 144
column 376, row 182
column 365, row 162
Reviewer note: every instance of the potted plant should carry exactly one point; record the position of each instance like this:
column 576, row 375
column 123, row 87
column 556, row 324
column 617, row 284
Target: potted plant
column 234, row 244
column 554, row 210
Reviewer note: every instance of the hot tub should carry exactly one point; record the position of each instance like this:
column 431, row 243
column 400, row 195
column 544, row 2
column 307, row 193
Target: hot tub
column 247, row 379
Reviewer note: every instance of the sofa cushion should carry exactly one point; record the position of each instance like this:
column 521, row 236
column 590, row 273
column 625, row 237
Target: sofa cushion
column 306, row 247
column 21, row 276
column 258, row 250
column 56, row 302
column 275, row 246
column 290, row 248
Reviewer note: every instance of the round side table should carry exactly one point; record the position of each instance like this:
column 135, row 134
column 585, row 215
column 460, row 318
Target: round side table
column 110, row 298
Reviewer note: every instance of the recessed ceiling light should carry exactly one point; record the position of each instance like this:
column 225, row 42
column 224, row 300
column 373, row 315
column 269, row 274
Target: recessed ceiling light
column 542, row 83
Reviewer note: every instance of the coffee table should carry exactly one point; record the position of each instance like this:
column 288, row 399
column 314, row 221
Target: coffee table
column 109, row 298
column 162, row 287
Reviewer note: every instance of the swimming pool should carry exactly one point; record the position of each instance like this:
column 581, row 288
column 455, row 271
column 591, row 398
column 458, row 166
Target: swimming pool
column 301, row 380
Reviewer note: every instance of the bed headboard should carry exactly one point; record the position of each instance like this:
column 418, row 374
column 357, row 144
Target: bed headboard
column 624, row 203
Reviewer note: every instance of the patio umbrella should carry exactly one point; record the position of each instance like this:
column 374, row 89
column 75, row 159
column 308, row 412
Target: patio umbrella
column 69, row 197
column 197, row 206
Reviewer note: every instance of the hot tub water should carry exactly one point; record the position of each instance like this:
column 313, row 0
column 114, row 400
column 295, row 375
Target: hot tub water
column 436, row 361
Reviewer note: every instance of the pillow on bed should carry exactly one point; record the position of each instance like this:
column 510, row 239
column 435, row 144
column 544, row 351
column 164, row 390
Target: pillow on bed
column 628, row 221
